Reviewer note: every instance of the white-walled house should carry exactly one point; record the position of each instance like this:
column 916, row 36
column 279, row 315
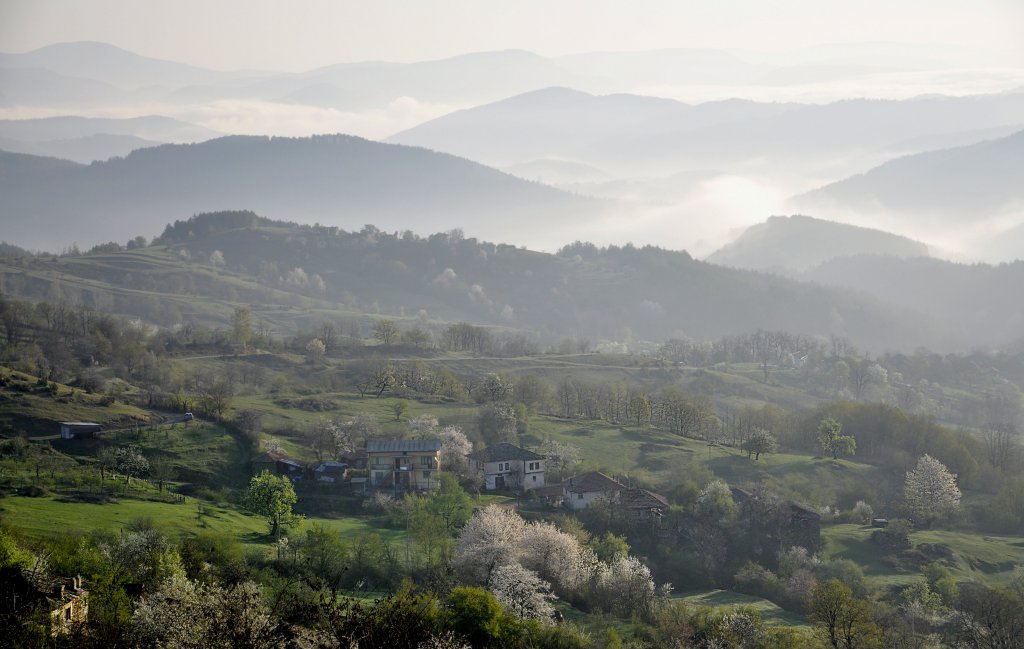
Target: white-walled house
column 583, row 489
column 507, row 466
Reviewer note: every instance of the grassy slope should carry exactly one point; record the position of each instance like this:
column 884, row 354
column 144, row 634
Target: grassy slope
column 976, row 557
column 770, row 612
column 41, row 517
column 28, row 409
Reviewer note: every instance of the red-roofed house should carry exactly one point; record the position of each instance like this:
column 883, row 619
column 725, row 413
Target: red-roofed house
column 583, row 489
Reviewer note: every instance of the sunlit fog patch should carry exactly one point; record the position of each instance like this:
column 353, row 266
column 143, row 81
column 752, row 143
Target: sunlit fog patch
column 710, row 216
column 259, row 117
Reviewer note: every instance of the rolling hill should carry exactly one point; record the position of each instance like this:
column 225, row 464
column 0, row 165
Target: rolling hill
column 793, row 243
column 962, row 184
column 336, row 180
column 968, row 200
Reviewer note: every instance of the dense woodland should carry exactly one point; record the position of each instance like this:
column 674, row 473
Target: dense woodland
column 260, row 330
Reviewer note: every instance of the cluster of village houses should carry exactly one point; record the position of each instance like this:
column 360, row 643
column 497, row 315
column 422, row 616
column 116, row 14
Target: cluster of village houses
column 412, row 465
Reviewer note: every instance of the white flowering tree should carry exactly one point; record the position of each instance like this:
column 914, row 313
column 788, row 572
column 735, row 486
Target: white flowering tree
column 423, row 427
column 316, row 350
column 455, row 447
column 491, row 539
column 519, row 562
column 522, row 592
column 184, row 614
column 931, row 490
column 556, row 556
column 561, row 457
column 628, row 587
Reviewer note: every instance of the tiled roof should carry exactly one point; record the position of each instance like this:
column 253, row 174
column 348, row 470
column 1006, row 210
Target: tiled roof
column 505, row 451
column 547, row 491
column 403, row 445
column 270, row 456
column 643, row 499
column 593, row 481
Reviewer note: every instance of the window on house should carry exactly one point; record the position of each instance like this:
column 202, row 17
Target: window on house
column 425, row 460
column 535, row 478
column 579, row 496
column 426, row 474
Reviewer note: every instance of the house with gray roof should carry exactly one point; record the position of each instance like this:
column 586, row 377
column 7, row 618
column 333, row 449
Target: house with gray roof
column 507, row 466
column 403, row 464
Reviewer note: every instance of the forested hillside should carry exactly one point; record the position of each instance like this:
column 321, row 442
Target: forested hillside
column 615, row 293
column 800, row 242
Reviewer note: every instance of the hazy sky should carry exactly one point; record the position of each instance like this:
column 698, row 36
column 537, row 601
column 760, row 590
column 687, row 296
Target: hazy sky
column 271, row 34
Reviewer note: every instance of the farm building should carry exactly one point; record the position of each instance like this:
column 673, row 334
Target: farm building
column 73, row 429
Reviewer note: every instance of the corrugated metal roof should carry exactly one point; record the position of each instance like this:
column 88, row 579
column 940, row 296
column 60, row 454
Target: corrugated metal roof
column 403, row 445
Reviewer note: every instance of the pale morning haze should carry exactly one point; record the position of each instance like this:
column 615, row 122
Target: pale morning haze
column 435, row 74
column 512, row 324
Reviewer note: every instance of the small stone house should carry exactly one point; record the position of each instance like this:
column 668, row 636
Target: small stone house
column 507, row 466
column 69, row 604
column 66, row 599
column 404, row 464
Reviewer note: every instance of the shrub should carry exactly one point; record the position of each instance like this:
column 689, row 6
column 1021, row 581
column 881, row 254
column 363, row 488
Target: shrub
column 861, row 513
column 895, row 537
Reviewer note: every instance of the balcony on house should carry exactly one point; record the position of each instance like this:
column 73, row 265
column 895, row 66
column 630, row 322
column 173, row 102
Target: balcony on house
column 404, row 464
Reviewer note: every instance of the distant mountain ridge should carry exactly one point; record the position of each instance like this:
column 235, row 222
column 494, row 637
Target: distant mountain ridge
column 627, row 132
column 794, row 243
column 84, row 139
column 149, row 127
column 108, row 64
column 337, row 180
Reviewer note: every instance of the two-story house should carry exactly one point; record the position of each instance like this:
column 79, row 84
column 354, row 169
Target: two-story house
column 507, row 466
column 404, row 464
